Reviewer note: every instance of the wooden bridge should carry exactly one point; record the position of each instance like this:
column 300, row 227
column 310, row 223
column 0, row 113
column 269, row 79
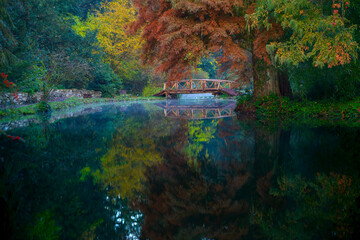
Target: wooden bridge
column 192, row 86
column 198, row 112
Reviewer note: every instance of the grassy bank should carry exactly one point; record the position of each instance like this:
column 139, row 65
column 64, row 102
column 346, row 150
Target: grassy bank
column 277, row 108
column 71, row 102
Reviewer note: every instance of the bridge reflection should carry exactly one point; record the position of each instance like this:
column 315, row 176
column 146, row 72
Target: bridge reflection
column 194, row 110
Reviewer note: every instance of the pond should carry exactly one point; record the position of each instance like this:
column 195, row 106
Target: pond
column 178, row 170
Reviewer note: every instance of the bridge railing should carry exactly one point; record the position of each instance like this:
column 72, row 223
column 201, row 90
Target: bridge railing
column 200, row 84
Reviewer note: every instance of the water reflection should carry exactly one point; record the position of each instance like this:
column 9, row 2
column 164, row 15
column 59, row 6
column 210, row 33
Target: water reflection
column 203, row 109
column 132, row 173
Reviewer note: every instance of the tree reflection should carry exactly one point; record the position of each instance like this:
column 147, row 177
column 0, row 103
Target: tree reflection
column 182, row 202
column 254, row 197
column 323, row 208
column 124, row 164
column 200, row 132
column 42, row 195
column 201, row 195
column 132, row 149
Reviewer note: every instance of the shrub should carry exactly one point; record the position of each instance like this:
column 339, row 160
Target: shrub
column 43, row 107
column 150, row 90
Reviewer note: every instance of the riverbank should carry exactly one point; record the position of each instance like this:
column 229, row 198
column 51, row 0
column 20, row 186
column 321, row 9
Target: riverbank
column 274, row 108
column 68, row 103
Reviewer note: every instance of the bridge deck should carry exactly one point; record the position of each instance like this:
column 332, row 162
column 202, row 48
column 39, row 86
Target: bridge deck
column 193, row 86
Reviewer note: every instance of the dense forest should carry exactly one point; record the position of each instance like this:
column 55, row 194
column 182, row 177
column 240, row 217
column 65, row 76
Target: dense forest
column 302, row 49
column 70, row 44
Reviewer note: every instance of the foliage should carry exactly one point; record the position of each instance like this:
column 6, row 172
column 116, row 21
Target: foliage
column 59, row 69
column 43, row 107
column 336, row 83
column 209, row 65
column 46, row 40
column 340, row 83
column 8, row 41
column 104, row 79
column 109, row 22
column 199, row 73
column 324, row 39
column 150, row 90
column 8, row 93
column 33, row 79
column 274, row 108
column 121, row 50
column 178, row 34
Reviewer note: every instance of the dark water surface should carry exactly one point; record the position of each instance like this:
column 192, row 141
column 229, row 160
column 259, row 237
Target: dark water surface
column 178, row 170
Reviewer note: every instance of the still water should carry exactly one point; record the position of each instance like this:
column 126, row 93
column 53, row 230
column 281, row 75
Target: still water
column 178, row 170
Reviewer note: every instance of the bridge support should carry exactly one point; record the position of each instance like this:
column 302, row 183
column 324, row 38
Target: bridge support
column 170, row 96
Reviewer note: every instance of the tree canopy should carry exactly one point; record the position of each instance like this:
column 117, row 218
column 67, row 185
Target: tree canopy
column 263, row 33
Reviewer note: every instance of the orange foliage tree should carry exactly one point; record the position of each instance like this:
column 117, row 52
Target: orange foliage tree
column 250, row 34
column 178, row 33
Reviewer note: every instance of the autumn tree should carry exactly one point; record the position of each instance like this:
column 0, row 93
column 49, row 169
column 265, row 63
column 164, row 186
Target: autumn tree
column 178, row 33
column 320, row 46
column 323, row 37
column 110, row 22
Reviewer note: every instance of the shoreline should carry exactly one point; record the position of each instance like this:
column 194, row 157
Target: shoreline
column 272, row 111
column 29, row 110
column 66, row 110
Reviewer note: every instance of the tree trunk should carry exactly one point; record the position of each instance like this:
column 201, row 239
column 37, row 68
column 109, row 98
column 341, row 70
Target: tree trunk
column 284, row 83
column 269, row 80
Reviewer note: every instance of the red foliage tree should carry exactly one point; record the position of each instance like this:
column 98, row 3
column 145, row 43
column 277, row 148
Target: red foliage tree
column 178, row 33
